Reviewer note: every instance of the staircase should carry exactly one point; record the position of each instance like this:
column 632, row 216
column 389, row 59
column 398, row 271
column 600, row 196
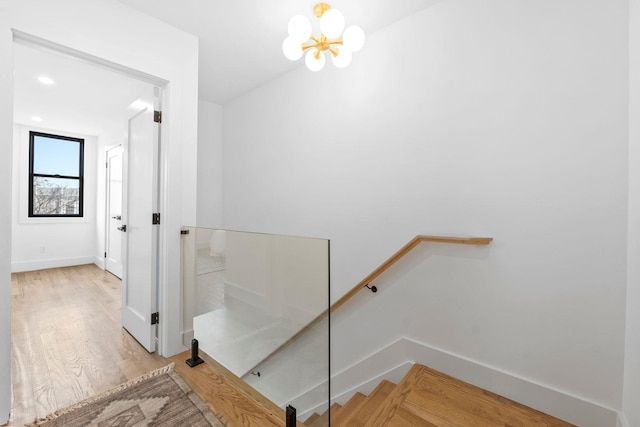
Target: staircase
column 428, row 398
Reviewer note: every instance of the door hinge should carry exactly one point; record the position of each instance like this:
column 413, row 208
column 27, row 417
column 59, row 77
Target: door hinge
column 155, row 318
column 105, row 254
column 157, row 116
column 155, row 220
column 184, row 231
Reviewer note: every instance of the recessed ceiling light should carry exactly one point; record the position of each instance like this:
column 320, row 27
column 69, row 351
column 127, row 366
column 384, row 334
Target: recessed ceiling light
column 45, row 80
column 36, row 119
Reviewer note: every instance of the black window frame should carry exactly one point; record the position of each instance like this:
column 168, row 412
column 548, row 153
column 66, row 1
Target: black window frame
column 80, row 178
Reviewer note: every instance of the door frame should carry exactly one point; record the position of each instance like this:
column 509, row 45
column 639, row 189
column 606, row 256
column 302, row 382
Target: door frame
column 163, row 85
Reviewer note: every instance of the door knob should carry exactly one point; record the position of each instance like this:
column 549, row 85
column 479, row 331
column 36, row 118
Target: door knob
column 123, row 228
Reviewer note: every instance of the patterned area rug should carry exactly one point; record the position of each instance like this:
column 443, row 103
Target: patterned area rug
column 160, row 398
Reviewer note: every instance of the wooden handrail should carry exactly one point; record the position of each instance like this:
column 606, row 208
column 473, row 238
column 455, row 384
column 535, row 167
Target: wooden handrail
column 401, row 253
column 375, row 274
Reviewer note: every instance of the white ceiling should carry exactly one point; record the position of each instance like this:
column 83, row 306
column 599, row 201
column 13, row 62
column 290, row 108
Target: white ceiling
column 240, row 40
column 240, row 49
column 85, row 98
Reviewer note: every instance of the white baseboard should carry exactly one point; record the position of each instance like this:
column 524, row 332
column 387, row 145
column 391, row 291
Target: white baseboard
column 291, row 312
column 18, row 267
column 554, row 402
column 100, row 262
column 394, row 360
column 238, row 292
column 388, row 363
column 394, row 375
column 621, row 421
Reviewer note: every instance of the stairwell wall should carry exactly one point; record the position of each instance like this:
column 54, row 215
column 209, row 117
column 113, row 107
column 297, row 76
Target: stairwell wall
column 502, row 119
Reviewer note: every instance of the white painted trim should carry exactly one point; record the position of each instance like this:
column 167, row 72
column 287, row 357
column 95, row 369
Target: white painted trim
column 394, row 360
column 558, row 403
column 17, row 267
column 390, row 363
column 294, row 314
column 99, row 261
column 394, row 375
column 621, row 420
column 39, row 42
column 242, row 294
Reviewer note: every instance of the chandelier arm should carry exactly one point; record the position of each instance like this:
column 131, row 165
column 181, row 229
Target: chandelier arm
column 306, row 47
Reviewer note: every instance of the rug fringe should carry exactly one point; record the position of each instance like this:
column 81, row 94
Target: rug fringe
column 92, row 399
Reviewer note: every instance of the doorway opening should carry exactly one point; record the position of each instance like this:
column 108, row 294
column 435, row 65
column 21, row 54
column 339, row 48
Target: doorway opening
column 87, row 99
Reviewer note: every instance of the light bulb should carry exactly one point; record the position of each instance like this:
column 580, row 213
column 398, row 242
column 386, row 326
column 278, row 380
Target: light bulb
column 353, row 38
column 292, row 48
column 300, row 28
column 332, row 23
column 312, row 63
column 343, row 58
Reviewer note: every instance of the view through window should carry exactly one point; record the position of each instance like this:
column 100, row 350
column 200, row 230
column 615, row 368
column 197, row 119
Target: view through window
column 55, row 175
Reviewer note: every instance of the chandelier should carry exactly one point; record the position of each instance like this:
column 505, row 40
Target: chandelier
column 333, row 40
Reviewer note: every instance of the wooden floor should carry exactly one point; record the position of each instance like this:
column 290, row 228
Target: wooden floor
column 67, row 342
column 428, row 398
column 234, row 402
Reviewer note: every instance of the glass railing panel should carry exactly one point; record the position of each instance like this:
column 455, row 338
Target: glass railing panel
column 257, row 303
column 298, row 375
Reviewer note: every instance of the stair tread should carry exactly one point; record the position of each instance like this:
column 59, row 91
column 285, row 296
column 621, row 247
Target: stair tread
column 347, row 409
column 312, row 418
column 323, row 420
column 428, row 397
column 365, row 409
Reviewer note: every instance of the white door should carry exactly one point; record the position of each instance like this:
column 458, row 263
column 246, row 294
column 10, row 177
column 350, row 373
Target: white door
column 113, row 247
column 140, row 248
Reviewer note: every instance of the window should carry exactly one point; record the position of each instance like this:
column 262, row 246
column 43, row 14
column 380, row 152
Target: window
column 55, row 175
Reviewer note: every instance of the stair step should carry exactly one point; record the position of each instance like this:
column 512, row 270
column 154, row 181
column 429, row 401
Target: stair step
column 361, row 414
column 430, row 398
column 347, row 409
column 312, row 418
column 323, row 420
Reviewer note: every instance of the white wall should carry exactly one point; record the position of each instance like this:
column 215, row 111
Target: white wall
column 66, row 241
column 631, row 409
column 110, row 30
column 6, row 129
column 286, row 277
column 209, row 210
column 497, row 118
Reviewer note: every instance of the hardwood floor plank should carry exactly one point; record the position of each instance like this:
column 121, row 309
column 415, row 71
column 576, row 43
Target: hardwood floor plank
column 67, row 341
column 232, row 406
column 22, row 391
